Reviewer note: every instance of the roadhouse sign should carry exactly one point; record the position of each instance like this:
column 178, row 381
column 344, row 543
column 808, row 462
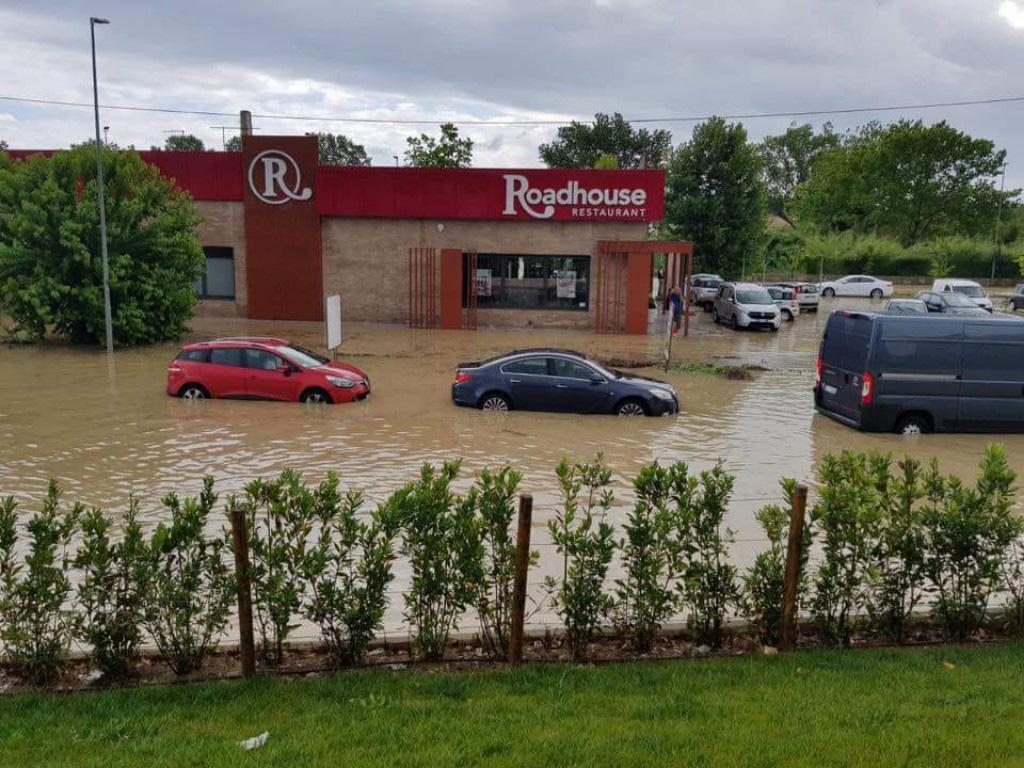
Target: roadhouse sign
column 491, row 194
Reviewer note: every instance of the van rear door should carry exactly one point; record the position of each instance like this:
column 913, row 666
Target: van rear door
column 844, row 359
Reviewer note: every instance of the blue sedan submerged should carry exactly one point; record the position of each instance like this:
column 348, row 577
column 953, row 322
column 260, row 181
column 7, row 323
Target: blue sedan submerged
column 560, row 381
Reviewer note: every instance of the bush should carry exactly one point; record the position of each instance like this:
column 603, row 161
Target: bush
column 647, row 595
column 50, row 266
column 114, row 581
column 583, row 538
column 1013, row 574
column 496, row 501
column 896, row 574
column 764, row 582
column 277, row 516
column 193, row 589
column 968, row 534
column 846, row 519
column 441, row 539
column 709, row 585
column 347, row 571
column 36, row 628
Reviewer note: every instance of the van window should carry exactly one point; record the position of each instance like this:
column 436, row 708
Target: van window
column 846, row 342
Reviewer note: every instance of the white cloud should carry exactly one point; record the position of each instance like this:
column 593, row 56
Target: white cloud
column 1012, row 13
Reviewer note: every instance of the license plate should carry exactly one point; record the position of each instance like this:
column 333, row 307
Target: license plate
column 830, row 390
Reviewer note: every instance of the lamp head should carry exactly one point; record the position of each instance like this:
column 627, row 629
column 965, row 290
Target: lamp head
column 94, row 20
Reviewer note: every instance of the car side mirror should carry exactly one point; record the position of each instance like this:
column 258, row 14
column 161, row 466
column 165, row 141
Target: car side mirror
column 597, row 379
column 285, row 370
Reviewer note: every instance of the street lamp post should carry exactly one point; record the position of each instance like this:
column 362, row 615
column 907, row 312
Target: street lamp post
column 999, row 215
column 93, row 21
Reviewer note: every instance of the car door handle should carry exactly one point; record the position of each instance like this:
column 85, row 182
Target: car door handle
column 562, row 386
column 515, row 381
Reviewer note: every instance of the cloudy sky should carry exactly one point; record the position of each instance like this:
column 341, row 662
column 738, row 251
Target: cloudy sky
column 506, row 60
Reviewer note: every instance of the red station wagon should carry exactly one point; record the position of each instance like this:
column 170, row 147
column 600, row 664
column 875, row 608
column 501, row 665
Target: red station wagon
column 262, row 368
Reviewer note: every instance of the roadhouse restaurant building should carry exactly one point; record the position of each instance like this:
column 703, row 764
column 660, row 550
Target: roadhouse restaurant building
column 550, row 247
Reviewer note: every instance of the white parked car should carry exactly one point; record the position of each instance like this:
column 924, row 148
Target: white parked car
column 968, row 288
column 746, row 305
column 857, row 285
column 785, row 299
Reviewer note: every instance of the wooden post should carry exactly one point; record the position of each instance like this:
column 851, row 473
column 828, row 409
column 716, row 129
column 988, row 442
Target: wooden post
column 515, row 649
column 794, row 551
column 240, row 541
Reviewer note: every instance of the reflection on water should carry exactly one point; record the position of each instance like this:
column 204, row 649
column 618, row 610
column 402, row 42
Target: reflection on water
column 106, row 430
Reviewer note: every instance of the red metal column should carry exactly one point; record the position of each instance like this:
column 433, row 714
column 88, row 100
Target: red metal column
column 637, row 290
column 451, row 288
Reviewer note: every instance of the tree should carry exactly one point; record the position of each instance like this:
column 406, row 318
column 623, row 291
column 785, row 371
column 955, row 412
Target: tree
column 907, row 180
column 606, row 161
column 184, row 142
column 581, row 145
column 3, row 145
column 50, row 267
column 787, row 162
column 449, row 151
column 336, row 149
column 715, row 196
column 234, row 144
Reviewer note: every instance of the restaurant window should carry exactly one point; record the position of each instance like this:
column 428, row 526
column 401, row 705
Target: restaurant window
column 518, row 281
column 219, row 280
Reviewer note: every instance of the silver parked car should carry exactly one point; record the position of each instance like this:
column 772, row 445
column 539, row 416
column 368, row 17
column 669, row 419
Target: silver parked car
column 806, row 295
column 704, row 289
column 746, row 305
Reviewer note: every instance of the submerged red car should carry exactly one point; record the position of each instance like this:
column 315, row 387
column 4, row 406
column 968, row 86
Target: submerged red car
column 262, row 368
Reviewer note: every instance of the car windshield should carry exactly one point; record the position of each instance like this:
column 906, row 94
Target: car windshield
column 957, row 300
column 710, row 282
column 300, row 357
column 974, row 291
column 753, row 297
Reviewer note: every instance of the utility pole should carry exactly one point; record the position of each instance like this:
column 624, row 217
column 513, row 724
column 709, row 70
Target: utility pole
column 107, row 315
column 999, row 216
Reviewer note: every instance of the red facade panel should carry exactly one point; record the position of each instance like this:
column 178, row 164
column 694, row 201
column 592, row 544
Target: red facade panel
column 282, row 228
column 204, row 175
column 531, row 194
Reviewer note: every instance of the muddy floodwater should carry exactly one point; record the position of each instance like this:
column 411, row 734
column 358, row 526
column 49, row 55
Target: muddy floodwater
column 106, row 428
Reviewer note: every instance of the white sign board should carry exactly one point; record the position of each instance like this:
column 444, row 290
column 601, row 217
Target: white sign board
column 333, row 322
column 565, row 284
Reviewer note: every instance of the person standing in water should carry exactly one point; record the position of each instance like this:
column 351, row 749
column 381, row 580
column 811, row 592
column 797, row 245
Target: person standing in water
column 675, row 299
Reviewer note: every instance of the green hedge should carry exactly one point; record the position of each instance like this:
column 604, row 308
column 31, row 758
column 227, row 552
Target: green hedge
column 847, row 253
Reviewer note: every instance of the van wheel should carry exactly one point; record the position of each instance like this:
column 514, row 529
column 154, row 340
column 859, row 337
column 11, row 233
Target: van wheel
column 914, row 424
column 787, row 316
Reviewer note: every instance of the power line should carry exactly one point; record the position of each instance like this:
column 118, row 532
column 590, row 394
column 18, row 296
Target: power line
column 391, row 121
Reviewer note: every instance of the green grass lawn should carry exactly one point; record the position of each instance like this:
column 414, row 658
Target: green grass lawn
column 871, row 708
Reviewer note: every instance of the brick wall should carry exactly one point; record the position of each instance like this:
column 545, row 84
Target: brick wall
column 223, row 223
column 366, row 260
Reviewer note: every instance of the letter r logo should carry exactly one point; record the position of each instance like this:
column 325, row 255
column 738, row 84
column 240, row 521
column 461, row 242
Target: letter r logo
column 275, row 178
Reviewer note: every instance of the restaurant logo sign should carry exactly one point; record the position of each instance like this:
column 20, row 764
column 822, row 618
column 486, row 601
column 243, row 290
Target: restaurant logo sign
column 275, row 178
column 581, row 201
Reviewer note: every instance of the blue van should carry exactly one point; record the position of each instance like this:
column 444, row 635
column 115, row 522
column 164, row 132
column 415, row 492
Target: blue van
column 913, row 374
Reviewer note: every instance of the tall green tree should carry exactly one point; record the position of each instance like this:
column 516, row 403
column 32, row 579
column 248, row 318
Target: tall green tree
column 582, row 145
column 715, row 196
column 50, row 267
column 336, row 149
column 907, row 180
column 234, row 144
column 448, row 151
column 184, row 142
column 787, row 160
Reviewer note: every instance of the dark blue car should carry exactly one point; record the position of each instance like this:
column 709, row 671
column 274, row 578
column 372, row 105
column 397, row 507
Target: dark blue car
column 561, row 381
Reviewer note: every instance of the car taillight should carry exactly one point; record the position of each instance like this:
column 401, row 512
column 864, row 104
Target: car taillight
column 461, row 377
column 867, row 389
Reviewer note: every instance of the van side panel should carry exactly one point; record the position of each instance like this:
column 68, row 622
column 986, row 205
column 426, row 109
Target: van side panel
column 992, row 386
column 916, row 364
